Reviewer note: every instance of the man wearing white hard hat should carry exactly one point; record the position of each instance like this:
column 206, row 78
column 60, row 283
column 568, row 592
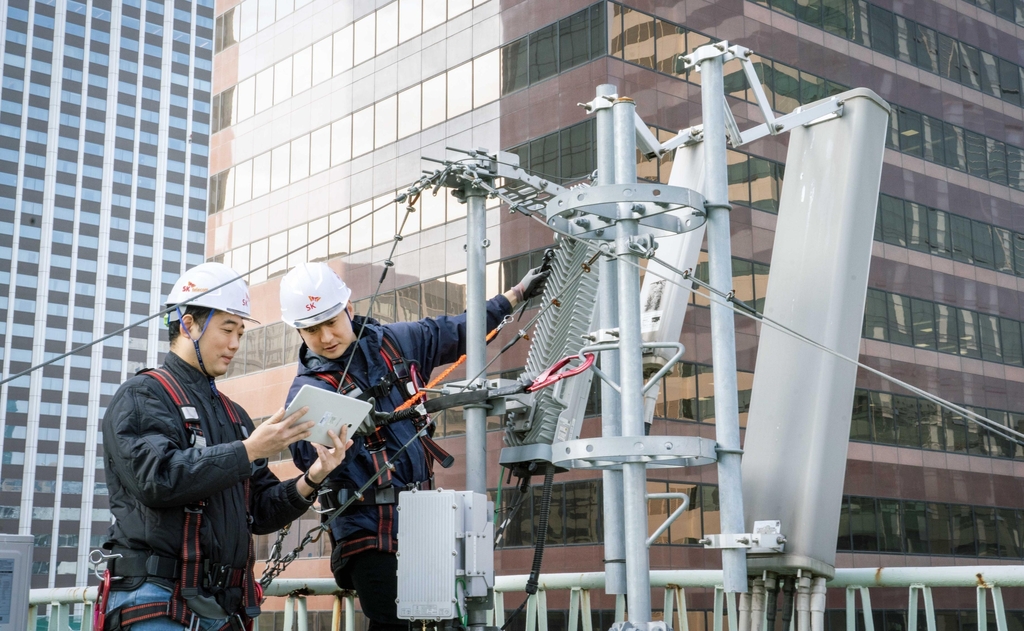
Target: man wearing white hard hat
column 362, row 358
column 187, row 473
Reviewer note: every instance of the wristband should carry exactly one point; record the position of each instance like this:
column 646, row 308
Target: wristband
column 310, row 483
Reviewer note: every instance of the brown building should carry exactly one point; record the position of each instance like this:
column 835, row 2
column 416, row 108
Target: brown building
column 323, row 110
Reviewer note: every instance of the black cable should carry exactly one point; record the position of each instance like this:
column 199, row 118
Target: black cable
column 533, row 581
column 772, row 606
column 788, row 589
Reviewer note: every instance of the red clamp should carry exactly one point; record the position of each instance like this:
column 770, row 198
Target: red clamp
column 552, row 376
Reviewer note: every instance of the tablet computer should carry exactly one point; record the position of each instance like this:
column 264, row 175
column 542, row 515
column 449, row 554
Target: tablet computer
column 328, row 410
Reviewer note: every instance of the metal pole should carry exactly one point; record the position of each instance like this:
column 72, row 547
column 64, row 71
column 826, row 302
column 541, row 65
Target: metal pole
column 476, row 359
column 476, row 334
column 611, row 419
column 634, row 475
column 723, row 332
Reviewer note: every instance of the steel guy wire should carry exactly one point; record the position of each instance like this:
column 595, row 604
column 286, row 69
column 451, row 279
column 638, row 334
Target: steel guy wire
column 730, row 300
column 738, row 306
column 167, row 310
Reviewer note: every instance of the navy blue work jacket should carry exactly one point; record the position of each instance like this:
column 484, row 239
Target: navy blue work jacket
column 431, row 342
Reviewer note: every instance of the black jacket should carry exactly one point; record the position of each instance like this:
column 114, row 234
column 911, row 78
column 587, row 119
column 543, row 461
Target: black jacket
column 153, row 473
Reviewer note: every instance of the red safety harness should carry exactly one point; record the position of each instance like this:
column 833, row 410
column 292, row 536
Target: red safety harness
column 187, row 586
column 401, row 373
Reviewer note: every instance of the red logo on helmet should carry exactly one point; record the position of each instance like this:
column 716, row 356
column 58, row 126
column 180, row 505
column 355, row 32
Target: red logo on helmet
column 312, row 302
column 188, row 287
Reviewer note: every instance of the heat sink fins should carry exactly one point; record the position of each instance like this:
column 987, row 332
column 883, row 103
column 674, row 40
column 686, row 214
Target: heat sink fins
column 557, row 334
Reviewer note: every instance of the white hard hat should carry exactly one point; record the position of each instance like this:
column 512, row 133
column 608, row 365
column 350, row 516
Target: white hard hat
column 312, row 293
column 232, row 297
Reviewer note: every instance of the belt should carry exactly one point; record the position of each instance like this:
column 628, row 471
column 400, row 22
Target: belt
column 134, row 563
column 373, row 496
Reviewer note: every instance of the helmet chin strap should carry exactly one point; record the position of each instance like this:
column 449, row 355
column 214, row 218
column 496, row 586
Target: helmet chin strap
column 195, row 344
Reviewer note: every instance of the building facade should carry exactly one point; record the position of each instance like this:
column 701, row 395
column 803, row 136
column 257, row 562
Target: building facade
column 104, row 148
column 323, row 110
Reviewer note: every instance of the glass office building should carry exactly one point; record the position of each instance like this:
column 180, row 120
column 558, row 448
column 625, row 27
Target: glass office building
column 104, row 149
column 323, row 110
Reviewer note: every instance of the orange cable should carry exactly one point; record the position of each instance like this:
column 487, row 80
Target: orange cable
column 438, row 379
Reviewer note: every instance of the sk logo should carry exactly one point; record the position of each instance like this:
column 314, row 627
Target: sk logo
column 189, row 287
column 312, row 302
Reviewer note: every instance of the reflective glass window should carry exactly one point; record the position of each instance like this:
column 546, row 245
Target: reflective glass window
column 996, row 160
column 638, row 29
column 940, row 539
column 574, row 40
column 946, row 330
column 322, row 58
column 243, row 182
column 387, row 27
column 991, row 342
column 302, row 70
column 282, row 80
column 386, row 121
column 923, row 316
column 890, row 532
column 342, row 49
column 435, row 12
column 834, row 18
column 460, row 90
column 320, row 150
column 984, row 254
column 410, row 19
column 246, row 98
column 300, row 158
column 1010, row 336
column 932, row 427
column 362, row 132
column 514, row 66
column 280, row 166
column 917, row 226
column 486, row 76
column 977, row 163
column 955, row 149
column 261, row 175
column 933, row 140
column 434, row 101
column 671, row 43
column 949, row 58
column 341, row 141
column 900, row 321
column 970, row 66
column 365, row 34
column 962, row 239
column 1003, row 243
column 967, row 322
column 265, row 90
column 409, row 111
column 267, row 9
column 963, row 532
column 863, row 525
column 543, row 53
column 926, row 42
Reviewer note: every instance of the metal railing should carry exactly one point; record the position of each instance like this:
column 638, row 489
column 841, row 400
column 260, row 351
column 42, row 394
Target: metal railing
column 987, row 580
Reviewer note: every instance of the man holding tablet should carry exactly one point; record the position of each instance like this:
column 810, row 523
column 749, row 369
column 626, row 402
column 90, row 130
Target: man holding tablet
column 188, row 477
column 364, row 359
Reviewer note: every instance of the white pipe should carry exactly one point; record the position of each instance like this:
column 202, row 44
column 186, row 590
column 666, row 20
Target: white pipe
column 803, row 603
column 744, row 612
column 962, row 576
column 757, row 606
column 818, row 604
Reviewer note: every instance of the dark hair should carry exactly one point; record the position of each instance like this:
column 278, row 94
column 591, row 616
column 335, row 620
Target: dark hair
column 199, row 314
